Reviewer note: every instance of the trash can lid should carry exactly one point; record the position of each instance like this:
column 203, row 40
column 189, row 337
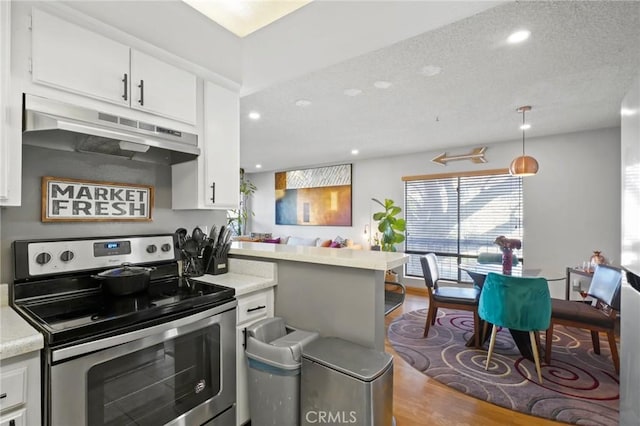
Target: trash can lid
column 347, row 357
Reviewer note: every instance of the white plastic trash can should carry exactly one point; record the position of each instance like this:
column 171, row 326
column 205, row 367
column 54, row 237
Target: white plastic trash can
column 274, row 356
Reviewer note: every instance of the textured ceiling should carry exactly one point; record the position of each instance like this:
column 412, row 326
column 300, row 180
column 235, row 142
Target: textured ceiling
column 573, row 71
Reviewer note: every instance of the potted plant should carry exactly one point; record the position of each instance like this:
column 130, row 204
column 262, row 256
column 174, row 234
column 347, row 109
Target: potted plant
column 375, row 245
column 237, row 219
column 391, row 227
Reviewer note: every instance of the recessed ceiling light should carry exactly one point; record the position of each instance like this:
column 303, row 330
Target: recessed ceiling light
column 525, row 127
column 352, row 92
column 381, row 84
column 303, row 103
column 258, row 166
column 518, row 36
column 430, row 70
column 254, row 115
column 626, row 112
column 354, row 152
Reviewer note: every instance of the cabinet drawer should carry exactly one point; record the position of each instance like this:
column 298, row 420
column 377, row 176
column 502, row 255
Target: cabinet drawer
column 18, row 418
column 254, row 306
column 13, row 388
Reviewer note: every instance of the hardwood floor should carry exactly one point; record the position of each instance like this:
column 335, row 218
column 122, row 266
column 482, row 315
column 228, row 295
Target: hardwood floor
column 419, row 400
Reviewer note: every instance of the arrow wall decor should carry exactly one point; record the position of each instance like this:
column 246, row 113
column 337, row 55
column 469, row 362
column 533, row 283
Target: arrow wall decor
column 476, row 156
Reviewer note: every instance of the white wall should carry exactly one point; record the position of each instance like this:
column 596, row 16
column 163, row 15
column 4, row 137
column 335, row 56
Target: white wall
column 571, row 207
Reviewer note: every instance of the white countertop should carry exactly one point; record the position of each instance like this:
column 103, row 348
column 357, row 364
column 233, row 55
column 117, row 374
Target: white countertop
column 245, row 276
column 17, row 337
column 363, row 259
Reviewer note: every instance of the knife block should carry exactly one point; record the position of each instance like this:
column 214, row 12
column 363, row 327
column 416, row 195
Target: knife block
column 218, row 265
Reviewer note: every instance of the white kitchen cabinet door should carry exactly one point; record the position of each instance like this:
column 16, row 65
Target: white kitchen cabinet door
column 162, row 89
column 252, row 307
column 10, row 118
column 20, row 384
column 213, row 180
column 69, row 57
column 222, row 150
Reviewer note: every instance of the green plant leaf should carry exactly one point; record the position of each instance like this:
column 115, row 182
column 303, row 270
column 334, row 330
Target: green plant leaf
column 378, row 201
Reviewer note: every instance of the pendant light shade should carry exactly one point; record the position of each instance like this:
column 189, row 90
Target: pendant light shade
column 523, row 165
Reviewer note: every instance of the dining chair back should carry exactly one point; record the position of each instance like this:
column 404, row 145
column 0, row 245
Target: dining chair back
column 516, row 303
column 605, row 285
column 599, row 316
column 430, row 270
column 452, row 297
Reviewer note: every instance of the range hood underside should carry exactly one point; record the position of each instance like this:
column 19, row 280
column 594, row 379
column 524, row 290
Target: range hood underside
column 62, row 140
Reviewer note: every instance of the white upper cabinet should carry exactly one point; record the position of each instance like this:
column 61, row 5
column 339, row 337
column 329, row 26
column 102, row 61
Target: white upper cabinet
column 72, row 58
column 162, row 89
column 213, row 180
column 10, row 114
column 222, row 152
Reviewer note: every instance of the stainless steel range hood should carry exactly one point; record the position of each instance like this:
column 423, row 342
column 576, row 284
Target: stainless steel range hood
column 58, row 125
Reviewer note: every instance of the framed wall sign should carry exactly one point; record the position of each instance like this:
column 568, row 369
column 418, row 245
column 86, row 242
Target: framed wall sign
column 319, row 196
column 76, row 200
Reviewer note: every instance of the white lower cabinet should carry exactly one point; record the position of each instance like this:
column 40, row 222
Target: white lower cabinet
column 17, row 418
column 252, row 307
column 20, row 390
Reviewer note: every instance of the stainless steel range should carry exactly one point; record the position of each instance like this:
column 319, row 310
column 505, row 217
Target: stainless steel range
column 163, row 355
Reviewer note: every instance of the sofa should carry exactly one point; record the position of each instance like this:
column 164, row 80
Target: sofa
column 337, row 242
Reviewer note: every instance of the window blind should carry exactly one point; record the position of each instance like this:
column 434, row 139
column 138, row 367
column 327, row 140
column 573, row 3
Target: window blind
column 459, row 217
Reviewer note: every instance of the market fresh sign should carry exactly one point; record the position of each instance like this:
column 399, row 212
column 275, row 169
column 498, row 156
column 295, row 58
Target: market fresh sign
column 71, row 200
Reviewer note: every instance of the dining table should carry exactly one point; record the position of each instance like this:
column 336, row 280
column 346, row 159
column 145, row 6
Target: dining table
column 478, row 273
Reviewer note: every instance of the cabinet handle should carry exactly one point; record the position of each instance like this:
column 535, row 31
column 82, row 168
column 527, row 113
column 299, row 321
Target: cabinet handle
column 257, row 308
column 3, row 395
column 141, row 86
column 213, row 192
column 125, row 80
column 244, row 338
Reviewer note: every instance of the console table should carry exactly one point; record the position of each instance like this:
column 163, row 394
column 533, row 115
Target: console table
column 575, row 271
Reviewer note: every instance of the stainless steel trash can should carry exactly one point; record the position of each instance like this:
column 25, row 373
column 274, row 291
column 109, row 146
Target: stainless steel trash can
column 274, row 356
column 345, row 383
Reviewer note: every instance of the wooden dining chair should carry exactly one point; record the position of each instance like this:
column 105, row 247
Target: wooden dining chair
column 600, row 317
column 516, row 303
column 465, row 299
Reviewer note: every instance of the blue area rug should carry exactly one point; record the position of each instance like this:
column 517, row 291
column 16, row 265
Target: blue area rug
column 579, row 387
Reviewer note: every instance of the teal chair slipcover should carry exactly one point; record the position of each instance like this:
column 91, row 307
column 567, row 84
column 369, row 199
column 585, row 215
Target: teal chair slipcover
column 495, row 258
column 516, row 303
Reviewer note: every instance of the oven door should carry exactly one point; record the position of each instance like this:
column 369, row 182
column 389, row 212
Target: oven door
column 178, row 373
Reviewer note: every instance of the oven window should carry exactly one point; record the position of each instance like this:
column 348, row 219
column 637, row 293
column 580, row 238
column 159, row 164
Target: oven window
column 156, row 384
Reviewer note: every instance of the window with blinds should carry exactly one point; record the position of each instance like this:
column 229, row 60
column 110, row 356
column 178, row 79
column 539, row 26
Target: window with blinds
column 459, row 217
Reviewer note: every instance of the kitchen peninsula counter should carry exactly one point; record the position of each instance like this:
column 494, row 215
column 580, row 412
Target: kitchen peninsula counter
column 376, row 260
column 337, row 292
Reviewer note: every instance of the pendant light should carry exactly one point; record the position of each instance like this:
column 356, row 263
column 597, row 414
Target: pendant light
column 523, row 165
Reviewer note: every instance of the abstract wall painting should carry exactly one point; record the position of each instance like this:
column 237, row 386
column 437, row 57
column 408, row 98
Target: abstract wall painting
column 318, row 196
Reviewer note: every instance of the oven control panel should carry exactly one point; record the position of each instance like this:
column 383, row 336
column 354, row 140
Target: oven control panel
column 63, row 256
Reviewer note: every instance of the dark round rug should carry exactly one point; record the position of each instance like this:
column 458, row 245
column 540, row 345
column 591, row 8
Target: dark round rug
column 578, row 387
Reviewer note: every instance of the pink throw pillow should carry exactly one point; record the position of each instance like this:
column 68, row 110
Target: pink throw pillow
column 335, row 244
column 272, row 240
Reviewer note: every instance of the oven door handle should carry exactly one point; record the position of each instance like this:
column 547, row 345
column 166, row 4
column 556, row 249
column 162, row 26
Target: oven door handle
column 168, row 328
